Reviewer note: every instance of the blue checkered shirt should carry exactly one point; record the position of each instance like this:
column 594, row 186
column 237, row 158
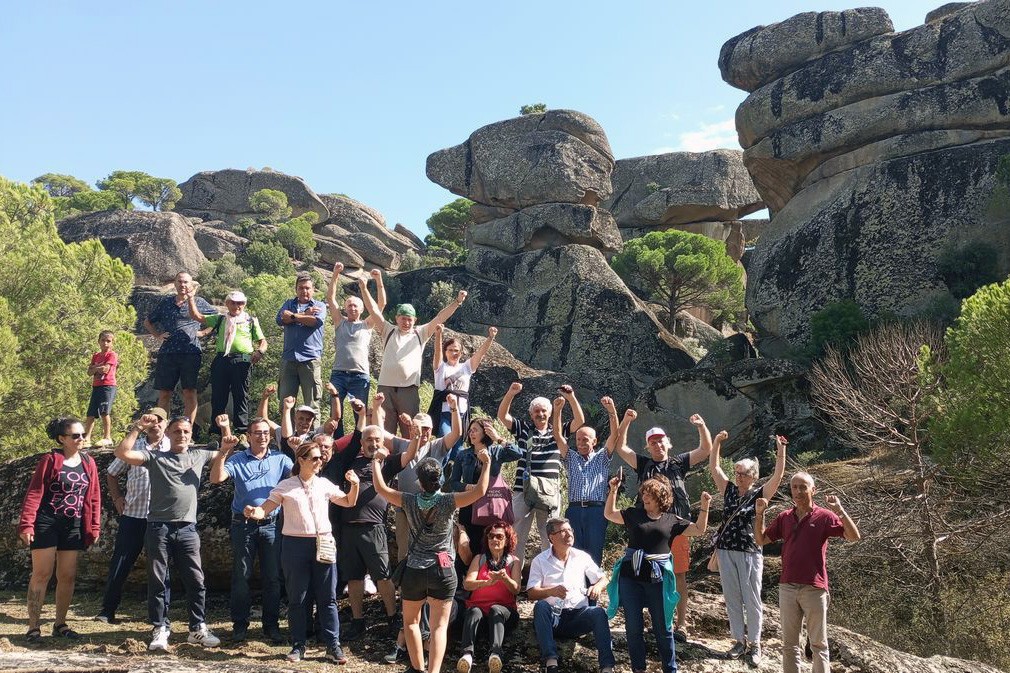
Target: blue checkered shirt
column 587, row 477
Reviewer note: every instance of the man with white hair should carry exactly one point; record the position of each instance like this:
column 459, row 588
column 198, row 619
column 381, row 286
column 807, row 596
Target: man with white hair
column 352, row 337
column 240, row 344
column 804, row 529
column 675, row 469
column 537, row 488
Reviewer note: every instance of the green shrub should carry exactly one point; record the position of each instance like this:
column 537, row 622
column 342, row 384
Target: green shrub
column 967, row 267
column 266, row 258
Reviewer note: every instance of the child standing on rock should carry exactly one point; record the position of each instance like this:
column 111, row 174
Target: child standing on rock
column 103, row 388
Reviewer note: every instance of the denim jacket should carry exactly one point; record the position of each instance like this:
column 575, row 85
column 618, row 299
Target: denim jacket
column 466, row 467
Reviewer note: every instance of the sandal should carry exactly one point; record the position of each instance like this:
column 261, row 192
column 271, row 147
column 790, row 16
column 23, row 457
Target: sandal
column 64, row 631
column 34, row 636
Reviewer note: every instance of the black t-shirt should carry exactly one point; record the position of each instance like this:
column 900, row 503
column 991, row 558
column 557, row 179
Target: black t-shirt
column 64, row 498
column 370, row 507
column 673, row 468
column 739, row 534
column 653, row 536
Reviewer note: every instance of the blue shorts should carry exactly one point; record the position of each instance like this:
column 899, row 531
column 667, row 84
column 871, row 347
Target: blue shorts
column 355, row 383
column 102, row 398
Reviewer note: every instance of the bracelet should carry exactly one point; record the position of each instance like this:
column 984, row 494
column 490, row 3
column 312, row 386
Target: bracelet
column 702, row 510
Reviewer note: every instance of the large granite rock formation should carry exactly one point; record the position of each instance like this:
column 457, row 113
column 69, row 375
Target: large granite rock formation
column 536, row 267
column 356, row 217
column 560, row 156
column 215, row 239
column 874, row 151
column 157, row 245
column 224, row 195
column 680, row 188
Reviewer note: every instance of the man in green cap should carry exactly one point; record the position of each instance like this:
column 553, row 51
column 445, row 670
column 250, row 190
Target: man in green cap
column 402, row 349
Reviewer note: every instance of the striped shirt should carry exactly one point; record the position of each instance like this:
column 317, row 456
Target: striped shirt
column 587, row 477
column 539, row 448
column 138, row 482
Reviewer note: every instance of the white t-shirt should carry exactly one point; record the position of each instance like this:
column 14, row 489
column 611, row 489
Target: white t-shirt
column 452, row 379
column 401, row 355
column 547, row 570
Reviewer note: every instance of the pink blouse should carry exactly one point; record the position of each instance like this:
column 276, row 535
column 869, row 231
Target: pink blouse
column 306, row 505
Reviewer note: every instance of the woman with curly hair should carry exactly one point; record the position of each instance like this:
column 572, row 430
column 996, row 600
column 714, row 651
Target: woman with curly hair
column 480, row 436
column 60, row 516
column 493, row 580
column 644, row 577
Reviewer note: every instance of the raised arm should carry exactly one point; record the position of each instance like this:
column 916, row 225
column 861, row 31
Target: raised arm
column 772, row 487
column 559, row 437
column 436, row 351
column 704, row 440
column 608, row 405
column 125, row 451
column 360, row 413
column 394, row 498
column 455, row 421
column 473, row 495
column 450, row 308
column 760, row 505
column 621, row 445
column 851, row 533
column 610, row 511
column 714, row 468
column 415, row 443
column 287, row 404
column 374, row 319
column 506, row 403
column 331, row 295
column 380, row 289
column 263, row 411
column 228, row 443
column 349, row 499
column 697, row 528
column 478, row 357
column 578, row 418
column 194, row 312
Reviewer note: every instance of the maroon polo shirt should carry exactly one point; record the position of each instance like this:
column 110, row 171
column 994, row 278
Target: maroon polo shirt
column 805, row 544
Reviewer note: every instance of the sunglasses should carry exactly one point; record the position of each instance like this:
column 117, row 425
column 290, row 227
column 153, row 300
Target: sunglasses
column 75, row 435
column 260, row 432
column 314, row 459
column 496, row 536
column 741, row 474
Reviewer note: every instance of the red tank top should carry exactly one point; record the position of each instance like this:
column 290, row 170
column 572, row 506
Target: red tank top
column 496, row 594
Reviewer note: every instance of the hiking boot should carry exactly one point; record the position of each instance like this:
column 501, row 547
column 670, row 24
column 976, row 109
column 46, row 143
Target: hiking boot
column 159, row 640
column 398, row 654
column 754, row 656
column 354, row 631
column 336, row 655
column 296, row 654
column 203, row 636
column 737, row 651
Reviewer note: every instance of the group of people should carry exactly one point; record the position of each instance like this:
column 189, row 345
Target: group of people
column 310, row 501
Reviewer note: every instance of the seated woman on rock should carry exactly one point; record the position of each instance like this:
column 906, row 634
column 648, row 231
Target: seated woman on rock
column 493, row 580
column 644, row 577
column 60, row 516
column 466, row 470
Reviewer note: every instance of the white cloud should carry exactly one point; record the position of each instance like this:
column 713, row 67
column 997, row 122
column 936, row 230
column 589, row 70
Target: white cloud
column 710, row 137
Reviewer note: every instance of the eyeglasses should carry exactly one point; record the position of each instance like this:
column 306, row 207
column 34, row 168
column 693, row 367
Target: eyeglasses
column 260, row 432
column 75, row 435
column 496, row 536
column 564, row 530
column 742, row 474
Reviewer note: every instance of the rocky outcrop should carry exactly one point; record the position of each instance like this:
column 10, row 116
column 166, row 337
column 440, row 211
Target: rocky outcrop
column 409, row 235
column 356, row 217
column 560, row 156
column 682, row 187
column 158, row 245
column 216, row 239
column 874, row 151
column 224, row 195
column 548, row 225
column 331, row 251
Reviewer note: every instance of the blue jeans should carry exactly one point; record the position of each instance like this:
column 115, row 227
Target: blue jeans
column 635, row 597
column 247, row 539
column 444, row 426
column 573, row 622
column 590, row 528
column 179, row 540
column 354, row 383
column 129, row 543
column 301, row 573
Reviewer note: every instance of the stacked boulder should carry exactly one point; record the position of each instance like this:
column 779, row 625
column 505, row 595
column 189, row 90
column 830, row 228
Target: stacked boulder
column 362, row 230
column 536, row 265
column 874, row 151
column 701, row 192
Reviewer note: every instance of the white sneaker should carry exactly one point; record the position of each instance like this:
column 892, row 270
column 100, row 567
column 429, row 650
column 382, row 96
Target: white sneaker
column 494, row 663
column 370, row 588
column 464, row 664
column 159, row 640
column 203, row 636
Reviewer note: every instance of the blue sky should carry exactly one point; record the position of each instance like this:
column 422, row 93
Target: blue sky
column 354, row 96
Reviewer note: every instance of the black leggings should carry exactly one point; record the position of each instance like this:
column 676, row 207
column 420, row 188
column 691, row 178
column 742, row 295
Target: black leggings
column 499, row 619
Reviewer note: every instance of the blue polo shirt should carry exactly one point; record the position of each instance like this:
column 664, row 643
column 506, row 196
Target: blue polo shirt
column 302, row 343
column 255, row 477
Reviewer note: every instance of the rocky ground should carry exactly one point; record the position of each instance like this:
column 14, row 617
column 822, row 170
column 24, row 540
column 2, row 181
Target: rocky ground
column 123, row 647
